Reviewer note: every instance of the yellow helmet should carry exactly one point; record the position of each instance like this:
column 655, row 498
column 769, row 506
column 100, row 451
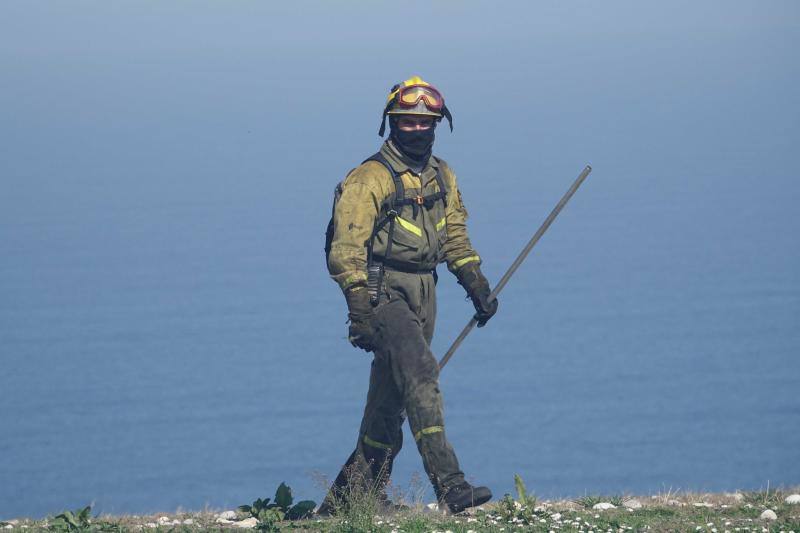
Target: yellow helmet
column 415, row 96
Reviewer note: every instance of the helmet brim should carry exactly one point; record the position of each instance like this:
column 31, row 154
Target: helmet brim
column 425, row 113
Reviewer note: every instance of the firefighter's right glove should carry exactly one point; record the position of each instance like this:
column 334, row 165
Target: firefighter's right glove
column 362, row 318
column 475, row 283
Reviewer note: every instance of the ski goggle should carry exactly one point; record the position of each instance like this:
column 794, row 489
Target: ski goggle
column 414, row 94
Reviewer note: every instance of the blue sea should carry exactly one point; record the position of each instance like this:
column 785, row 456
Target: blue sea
column 169, row 336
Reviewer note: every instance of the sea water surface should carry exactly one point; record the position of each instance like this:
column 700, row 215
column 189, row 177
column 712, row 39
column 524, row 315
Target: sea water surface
column 168, row 333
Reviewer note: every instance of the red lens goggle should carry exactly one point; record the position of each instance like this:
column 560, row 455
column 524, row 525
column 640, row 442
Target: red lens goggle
column 412, row 95
column 409, row 97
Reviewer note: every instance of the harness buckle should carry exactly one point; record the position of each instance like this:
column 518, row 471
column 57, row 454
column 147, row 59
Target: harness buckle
column 420, row 200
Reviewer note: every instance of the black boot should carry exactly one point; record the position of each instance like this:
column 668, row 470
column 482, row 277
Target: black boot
column 464, row 495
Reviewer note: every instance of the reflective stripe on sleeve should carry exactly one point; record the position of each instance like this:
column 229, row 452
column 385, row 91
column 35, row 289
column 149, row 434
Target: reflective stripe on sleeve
column 465, row 260
column 353, row 278
column 442, row 223
column 427, row 431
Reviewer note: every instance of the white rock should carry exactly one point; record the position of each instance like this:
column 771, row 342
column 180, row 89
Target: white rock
column 737, row 496
column 188, row 521
column 769, row 514
column 227, row 515
column 8, row 526
column 633, row 503
column 792, row 499
column 220, row 520
column 13, row 522
column 151, row 525
column 703, row 504
column 248, row 523
column 433, row 506
column 556, row 516
column 163, row 520
column 602, row 506
column 675, row 503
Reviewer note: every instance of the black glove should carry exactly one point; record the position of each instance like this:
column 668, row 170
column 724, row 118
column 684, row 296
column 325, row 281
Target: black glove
column 362, row 318
column 474, row 282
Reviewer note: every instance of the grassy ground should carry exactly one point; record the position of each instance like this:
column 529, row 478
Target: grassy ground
column 715, row 513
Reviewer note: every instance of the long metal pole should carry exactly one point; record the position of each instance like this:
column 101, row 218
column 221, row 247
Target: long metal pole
column 518, row 261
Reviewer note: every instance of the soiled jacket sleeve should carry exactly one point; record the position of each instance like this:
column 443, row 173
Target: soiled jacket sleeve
column 363, row 192
column 458, row 250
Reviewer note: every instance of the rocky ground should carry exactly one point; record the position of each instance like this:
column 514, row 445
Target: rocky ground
column 764, row 511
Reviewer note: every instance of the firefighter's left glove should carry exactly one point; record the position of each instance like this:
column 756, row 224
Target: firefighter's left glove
column 363, row 325
column 475, row 283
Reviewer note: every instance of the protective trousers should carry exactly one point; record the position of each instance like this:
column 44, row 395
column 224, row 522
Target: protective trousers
column 405, row 375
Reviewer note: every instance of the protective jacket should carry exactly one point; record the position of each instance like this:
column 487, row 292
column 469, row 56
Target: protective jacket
column 428, row 230
column 424, row 234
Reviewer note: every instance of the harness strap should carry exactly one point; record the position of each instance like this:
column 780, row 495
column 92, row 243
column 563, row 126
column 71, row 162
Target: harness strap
column 440, row 183
column 393, row 208
column 391, row 214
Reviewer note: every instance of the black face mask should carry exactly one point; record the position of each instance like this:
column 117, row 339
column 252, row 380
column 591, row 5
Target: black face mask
column 416, row 145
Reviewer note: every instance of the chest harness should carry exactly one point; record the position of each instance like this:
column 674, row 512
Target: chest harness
column 391, row 209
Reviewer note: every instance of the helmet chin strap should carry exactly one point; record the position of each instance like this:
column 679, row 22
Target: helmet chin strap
column 382, row 130
column 448, row 116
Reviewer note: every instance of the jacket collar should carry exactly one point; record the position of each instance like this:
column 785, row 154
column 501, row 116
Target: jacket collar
column 392, row 155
